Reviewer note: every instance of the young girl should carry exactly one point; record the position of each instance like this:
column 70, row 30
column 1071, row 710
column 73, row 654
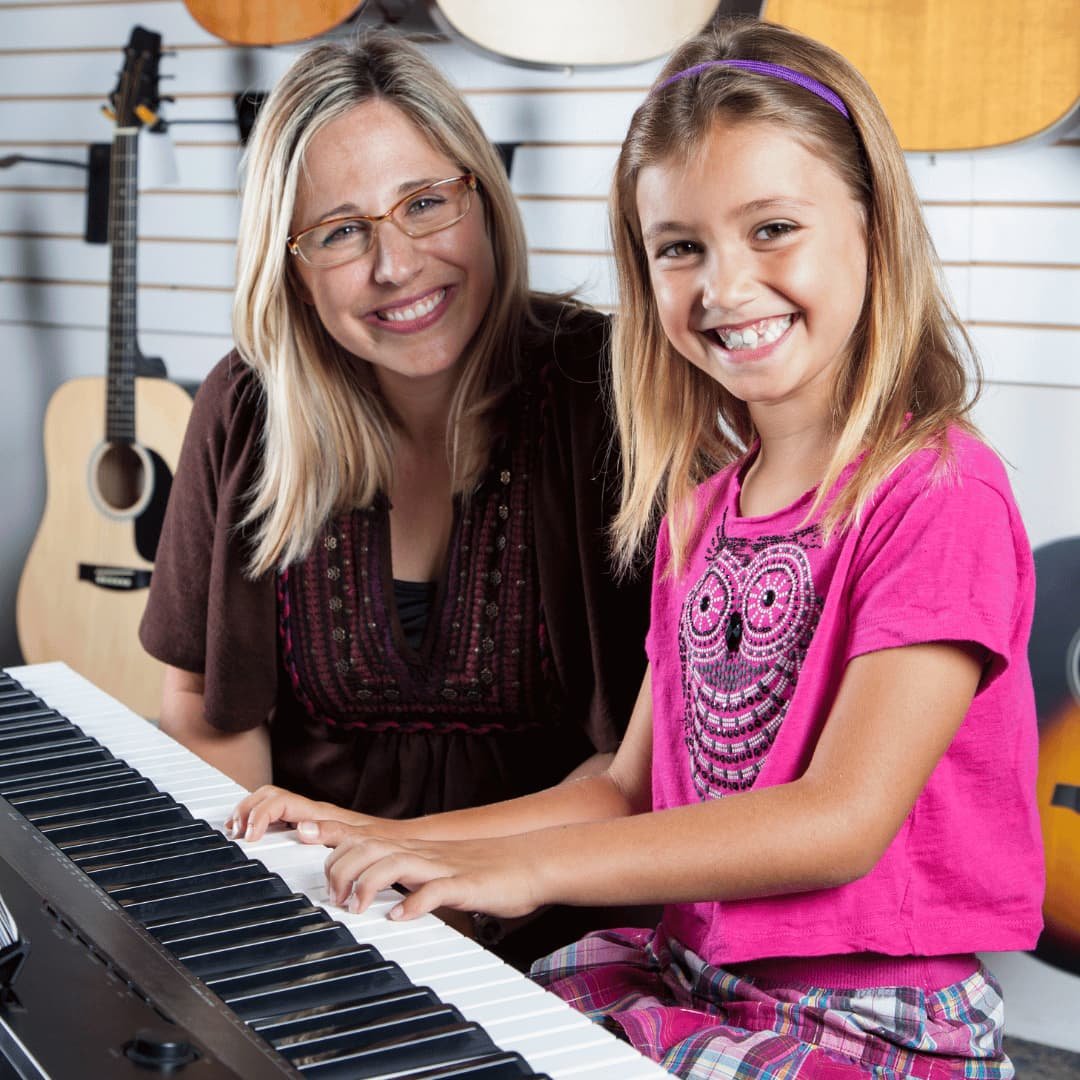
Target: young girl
column 829, row 774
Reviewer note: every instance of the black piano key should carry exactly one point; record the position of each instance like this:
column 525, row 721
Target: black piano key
column 396, row 1003
column 346, row 987
column 160, row 849
column 115, row 825
column 291, row 946
column 62, row 742
column 34, row 731
column 220, row 899
column 351, row 957
column 51, row 764
column 91, row 776
column 426, row 1051
column 504, row 1065
column 106, row 805
column 11, row 691
column 166, row 930
column 263, row 925
column 168, row 867
column 81, row 795
column 342, row 1037
column 180, row 883
column 28, row 709
column 79, row 849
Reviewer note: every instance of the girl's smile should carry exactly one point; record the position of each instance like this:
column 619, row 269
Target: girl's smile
column 755, row 339
column 757, row 257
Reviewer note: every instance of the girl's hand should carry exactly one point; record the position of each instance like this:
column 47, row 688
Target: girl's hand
column 268, row 805
column 500, row 876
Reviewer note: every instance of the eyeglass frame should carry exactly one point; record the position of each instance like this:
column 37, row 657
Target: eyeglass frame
column 293, row 242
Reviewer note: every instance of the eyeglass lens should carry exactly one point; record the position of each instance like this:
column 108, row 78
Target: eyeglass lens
column 423, row 212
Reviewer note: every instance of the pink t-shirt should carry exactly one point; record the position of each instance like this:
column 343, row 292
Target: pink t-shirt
column 748, row 646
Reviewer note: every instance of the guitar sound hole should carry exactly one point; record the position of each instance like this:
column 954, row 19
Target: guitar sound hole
column 120, row 477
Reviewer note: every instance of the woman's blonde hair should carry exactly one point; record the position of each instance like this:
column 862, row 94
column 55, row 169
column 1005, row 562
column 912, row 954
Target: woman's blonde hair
column 908, row 354
column 327, row 434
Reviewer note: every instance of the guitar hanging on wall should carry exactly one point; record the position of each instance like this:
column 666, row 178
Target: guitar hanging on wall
column 957, row 76
column 83, row 588
column 270, row 22
column 1054, row 652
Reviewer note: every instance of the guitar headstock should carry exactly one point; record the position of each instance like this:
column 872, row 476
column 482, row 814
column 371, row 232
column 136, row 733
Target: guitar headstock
column 135, row 99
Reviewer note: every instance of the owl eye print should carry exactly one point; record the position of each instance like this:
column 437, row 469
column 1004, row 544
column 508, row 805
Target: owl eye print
column 744, row 631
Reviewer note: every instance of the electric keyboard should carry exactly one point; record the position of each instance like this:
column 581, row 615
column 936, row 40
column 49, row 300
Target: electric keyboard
column 189, row 954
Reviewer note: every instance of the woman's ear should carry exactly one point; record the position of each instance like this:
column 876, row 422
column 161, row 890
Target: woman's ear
column 298, row 284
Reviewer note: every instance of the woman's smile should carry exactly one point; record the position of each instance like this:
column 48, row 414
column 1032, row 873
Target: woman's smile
column 413, row 314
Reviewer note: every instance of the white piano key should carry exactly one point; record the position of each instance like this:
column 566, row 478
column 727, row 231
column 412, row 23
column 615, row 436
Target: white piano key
column 518, row 1014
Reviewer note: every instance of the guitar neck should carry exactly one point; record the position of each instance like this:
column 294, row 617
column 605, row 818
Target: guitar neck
column 123, row 339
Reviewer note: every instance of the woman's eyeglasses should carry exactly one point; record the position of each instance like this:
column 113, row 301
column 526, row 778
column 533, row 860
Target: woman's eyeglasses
column 420, row 213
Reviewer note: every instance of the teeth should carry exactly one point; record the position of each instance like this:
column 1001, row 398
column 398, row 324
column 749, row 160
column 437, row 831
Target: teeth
column 764, row 332
column 417, row 311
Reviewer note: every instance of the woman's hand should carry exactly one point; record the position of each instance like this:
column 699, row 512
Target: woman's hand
column 268, row 805
column 500, row 876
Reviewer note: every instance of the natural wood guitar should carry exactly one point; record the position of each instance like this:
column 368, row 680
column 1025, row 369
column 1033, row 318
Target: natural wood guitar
column 958, row 75
column 83, row 588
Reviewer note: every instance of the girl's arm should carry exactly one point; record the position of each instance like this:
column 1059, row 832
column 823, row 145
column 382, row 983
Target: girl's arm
column 895, row 714
column 244, row 756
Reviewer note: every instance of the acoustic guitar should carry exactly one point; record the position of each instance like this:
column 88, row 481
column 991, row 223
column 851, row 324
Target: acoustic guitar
column 270, row 22
column 959, row 75
column 1055, row 669
column 83, row 589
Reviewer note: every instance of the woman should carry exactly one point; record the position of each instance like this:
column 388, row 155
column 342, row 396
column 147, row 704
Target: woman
column 381, row 579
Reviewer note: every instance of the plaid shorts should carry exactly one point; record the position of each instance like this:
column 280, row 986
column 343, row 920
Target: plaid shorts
column 703, row 1023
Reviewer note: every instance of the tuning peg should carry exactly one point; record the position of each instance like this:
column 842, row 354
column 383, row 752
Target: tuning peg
column 108, row 112
column 146, row 115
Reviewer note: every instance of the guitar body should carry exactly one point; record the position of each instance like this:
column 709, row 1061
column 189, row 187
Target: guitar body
column 270, row 22
column 83, row 587
column 958, row 75
column 1055, row 668
column 1059, row 757
column 569, row 33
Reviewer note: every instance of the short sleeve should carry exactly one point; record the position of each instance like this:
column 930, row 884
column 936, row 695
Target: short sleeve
column 941, row 559
column 203, row 614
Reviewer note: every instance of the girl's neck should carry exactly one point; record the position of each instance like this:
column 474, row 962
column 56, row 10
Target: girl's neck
column 789, row 462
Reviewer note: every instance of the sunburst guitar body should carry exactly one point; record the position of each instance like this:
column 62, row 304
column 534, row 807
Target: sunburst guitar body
column 1055, row 668
column 84, row 585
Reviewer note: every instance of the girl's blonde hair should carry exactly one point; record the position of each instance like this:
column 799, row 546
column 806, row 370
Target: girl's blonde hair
column 327, row 432
column 909, row 353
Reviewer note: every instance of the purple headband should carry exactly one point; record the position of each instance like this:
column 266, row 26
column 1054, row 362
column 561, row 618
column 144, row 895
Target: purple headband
column 759, row 67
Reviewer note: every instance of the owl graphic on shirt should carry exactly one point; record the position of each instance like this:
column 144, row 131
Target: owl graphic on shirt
column 744, row 632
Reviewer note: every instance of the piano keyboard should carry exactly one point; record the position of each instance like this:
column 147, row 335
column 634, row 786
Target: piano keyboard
column 449, row 1008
